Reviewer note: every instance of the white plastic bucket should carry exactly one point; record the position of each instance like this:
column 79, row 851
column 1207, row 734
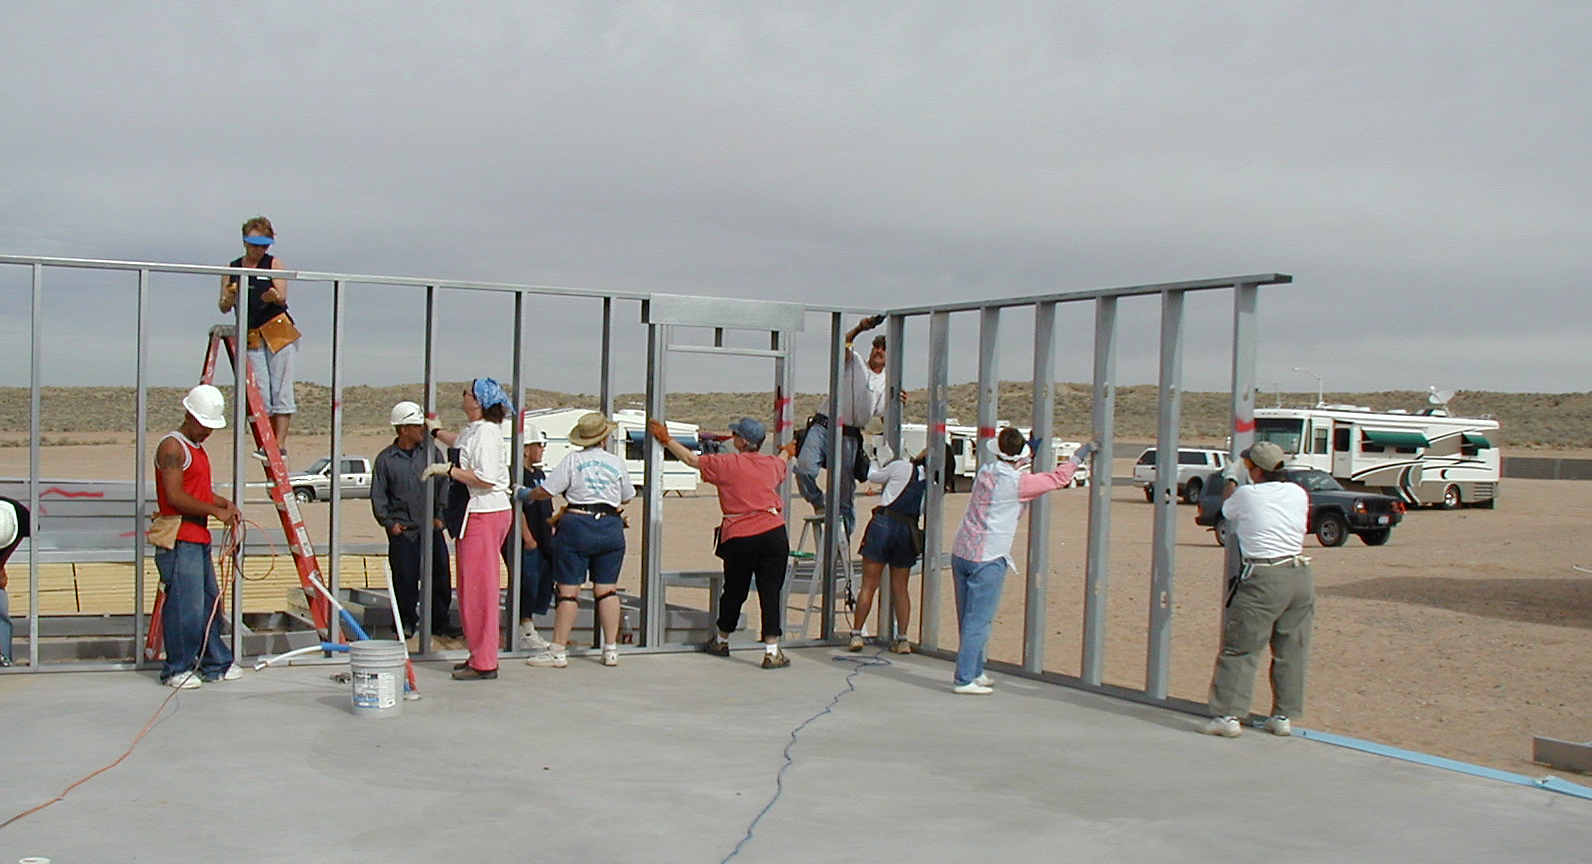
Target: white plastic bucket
column 377, row 676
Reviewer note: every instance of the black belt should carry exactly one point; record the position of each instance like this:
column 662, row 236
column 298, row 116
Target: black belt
column 598, row 509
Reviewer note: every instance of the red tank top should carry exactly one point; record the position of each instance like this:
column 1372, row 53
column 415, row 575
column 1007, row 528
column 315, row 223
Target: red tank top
column 196, row 482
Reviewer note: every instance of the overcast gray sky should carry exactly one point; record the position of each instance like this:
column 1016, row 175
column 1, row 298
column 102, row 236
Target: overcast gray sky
column 1422, row 169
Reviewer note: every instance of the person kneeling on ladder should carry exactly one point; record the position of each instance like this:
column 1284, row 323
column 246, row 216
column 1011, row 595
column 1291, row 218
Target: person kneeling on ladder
column 590, row 534
column 751, row 539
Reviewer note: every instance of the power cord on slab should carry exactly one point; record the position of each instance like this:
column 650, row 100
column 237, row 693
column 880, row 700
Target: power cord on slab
column 233, row 541
column 860, row 663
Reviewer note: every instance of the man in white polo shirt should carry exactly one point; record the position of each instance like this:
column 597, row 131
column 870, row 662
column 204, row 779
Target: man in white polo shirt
column 1273, row 602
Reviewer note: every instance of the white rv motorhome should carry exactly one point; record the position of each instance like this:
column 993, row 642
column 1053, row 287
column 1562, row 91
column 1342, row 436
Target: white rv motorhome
column 962, row 449
column 1423, row 459
column 630, row 437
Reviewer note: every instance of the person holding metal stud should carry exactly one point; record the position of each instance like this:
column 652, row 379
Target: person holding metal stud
column 484, row 470
column 273, row 337
column 862, row 397
column 982, row 551
column 893, row 537
column 590, row 534
column 536, row 540
column 751, row 538
column 1272, row 603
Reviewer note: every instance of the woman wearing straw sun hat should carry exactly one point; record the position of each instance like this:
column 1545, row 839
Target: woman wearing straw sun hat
column 483, row 469
column 591, row 536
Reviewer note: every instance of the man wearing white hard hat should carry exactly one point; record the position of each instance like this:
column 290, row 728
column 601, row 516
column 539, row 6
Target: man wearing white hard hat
column 13, row 527
column 536, row 540
column 398, row 500
column 192, row 615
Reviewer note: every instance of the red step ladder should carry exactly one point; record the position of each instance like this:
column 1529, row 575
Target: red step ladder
column 298, row 539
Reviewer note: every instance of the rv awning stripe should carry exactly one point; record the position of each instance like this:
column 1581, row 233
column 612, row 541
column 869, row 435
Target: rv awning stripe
column 1476, row 439
column 1396, row 439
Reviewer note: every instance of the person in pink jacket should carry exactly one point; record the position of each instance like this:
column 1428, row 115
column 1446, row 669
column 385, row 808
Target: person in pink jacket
column 982, row 551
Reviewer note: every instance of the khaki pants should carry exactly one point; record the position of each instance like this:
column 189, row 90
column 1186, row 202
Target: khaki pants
column 1273, row 606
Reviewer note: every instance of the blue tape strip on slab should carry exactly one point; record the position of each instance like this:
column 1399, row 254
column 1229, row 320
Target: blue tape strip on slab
column 1552, row 784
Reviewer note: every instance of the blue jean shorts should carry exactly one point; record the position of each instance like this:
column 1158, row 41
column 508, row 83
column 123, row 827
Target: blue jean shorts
column 589, row 546
column 889, row 541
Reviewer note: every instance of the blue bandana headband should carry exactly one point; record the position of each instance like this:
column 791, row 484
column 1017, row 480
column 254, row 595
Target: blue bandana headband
column 258, row 241
column 489, row 392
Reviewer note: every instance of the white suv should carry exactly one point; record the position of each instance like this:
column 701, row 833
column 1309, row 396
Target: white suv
column 1192, row 466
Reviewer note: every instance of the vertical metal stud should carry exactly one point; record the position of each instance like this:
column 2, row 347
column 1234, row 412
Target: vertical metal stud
column 141, row 462
column 334, row 550
column 240, row 447
column 1097, row 569
column 36, row 334
column 895, row 333
column 652, row 584
column 834, row 544
column 939, row 471
column 427, row 529
column 1164, row 538
column 516, row 467
column 1241, row 407
column 1043, row 425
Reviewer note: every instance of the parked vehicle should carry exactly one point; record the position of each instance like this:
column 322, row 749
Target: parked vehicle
column 316, row 483
column 1192, row 466
column 1429, row 458
column 1335, row 512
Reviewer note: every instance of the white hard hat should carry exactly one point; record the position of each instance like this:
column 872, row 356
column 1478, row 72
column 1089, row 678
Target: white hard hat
column 207, row 406
column 408, row 414
column 8, row 524
column 533, row 433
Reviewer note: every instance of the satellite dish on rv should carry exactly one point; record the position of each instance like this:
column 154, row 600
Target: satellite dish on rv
column 1439, row 398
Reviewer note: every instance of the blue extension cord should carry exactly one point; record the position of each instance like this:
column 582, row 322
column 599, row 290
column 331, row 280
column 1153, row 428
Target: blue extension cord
column 861, row 663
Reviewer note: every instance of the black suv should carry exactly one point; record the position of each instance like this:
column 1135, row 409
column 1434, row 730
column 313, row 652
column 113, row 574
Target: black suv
column 1335, row 512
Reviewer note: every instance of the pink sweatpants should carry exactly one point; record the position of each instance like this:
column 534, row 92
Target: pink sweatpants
column 479, row 559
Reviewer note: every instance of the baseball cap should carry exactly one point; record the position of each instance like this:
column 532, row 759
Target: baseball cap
column 1265, row 455
column 751, row 430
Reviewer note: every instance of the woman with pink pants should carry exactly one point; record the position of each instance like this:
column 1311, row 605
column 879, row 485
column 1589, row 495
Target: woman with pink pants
column 483, row 469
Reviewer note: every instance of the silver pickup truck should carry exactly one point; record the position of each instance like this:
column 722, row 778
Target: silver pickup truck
column 316, row 483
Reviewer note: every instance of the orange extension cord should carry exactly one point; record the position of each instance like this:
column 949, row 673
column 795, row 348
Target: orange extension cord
column 234, row 540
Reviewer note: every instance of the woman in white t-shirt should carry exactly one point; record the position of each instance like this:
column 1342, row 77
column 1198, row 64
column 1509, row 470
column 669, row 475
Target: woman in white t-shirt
column 591, row 536
column 483, row 469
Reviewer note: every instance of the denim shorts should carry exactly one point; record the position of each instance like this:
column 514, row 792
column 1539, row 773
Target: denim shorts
column 889, row 541
column 590, row 545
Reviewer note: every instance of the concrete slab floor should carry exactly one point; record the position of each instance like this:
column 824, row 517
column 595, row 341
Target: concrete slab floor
column 669, row 758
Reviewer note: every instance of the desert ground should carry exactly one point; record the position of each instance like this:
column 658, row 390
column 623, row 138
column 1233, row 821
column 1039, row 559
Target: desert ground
column 1463, row 637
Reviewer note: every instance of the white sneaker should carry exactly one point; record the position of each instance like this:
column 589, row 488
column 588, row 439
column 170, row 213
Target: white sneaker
column 184, row 681
column 1278, row 725
column 549, row 658
column 233, row 673
column 1226, row 726
column 532, row 640
column 984, row 680
column 972, row 688
column 611, row 656
column 857, row 643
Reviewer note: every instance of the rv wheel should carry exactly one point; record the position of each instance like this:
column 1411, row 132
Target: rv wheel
column 1451, row 499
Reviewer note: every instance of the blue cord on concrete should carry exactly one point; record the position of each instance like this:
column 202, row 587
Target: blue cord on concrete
column 1552, row 784
column 861, row 663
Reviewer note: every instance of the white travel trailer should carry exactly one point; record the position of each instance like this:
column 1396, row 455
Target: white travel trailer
column 630, row 437
column 1429, row 458
column 962, row 449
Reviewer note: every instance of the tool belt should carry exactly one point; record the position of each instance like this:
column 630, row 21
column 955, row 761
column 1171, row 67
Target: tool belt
column 1289, row 560
column 598, row 511
column 275, row 334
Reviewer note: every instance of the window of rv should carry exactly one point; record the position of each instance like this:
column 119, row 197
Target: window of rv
column 1285, row 432
column 636, row 445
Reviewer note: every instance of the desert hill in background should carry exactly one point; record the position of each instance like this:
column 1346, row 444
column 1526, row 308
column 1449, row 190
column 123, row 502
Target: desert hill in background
column 71, row 415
